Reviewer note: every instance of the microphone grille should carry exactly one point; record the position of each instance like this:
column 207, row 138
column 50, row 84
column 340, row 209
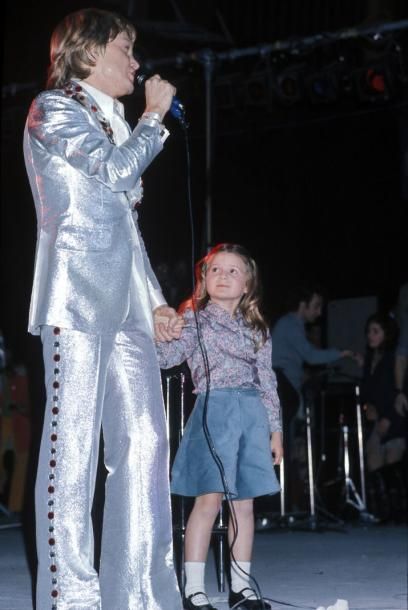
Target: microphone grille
column 140, row 78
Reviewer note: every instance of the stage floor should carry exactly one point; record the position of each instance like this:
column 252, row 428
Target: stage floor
column 366, row 565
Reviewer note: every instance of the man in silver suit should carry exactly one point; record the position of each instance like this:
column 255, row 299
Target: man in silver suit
column 97, row 305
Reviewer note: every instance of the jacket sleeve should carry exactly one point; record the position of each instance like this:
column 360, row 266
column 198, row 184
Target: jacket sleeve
column 269, row 391
column 60, row 126
column 309, row 353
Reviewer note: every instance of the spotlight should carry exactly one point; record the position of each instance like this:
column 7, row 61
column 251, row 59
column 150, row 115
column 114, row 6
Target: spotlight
column 374, row 83
column 322, row 88
column 288, row 86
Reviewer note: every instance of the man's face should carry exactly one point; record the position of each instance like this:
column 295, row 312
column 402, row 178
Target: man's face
column 115, row 68
column 313, row 309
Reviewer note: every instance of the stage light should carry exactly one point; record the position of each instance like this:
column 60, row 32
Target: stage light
column 322, row 88
column 288, row 86
column 374, row 83
column 257, row 93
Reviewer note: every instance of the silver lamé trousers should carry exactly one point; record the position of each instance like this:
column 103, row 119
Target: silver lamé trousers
column 113, row 381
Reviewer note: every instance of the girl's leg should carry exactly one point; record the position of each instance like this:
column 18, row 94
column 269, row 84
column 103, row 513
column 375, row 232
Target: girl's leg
column 242, row 547
column 244, row 511
column 197, row 540
column 242, row 594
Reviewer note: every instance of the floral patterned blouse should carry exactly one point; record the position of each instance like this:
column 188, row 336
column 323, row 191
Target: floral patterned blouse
column 234, row 361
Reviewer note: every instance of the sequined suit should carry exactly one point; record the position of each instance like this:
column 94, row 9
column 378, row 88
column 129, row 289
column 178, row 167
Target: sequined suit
column 93, row 294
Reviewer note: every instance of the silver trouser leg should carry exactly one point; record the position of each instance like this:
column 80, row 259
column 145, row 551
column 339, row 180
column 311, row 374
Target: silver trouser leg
column 137, row 571
column 75, row 372
column 115, row 378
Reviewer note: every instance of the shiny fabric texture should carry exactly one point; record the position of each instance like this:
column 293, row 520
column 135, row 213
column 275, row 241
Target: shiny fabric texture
column 87, row 242
column 111, row 380
column 92, row 300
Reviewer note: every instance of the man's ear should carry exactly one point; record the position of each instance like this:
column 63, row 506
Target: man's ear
column 92, row 53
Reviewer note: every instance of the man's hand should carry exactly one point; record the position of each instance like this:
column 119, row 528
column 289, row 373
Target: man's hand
column 401, row 404
column 159, row 95
column 357, row 357
column 277, row 447
column 167, row 323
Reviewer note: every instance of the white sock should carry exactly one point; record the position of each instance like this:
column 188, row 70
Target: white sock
column 194, row 571
column 240, row 579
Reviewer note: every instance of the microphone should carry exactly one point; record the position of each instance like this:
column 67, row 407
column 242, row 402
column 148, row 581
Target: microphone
column 176, row 109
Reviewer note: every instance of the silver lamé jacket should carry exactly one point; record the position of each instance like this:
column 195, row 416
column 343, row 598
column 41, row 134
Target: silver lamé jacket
column 91, row 269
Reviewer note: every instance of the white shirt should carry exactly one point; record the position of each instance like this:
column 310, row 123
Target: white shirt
column 112, row 110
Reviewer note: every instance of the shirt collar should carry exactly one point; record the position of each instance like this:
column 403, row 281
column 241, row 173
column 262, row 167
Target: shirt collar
column 222, row 314
column 107, row 104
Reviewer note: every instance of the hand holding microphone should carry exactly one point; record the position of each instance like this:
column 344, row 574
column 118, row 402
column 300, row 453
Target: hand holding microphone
column 160, row 97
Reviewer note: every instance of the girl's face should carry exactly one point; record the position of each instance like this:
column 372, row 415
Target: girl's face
column 226, row 280
column 375, row 335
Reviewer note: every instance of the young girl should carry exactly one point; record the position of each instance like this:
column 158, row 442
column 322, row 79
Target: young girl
column 243, row 416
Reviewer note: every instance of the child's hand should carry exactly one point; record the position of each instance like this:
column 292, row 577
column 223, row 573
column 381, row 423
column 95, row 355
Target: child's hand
column 277, row 447
column 167, row 324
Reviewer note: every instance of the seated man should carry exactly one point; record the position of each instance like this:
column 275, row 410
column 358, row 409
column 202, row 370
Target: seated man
column 291, row 351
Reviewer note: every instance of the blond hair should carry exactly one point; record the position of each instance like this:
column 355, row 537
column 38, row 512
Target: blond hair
column 250, row 302
column 76, row 37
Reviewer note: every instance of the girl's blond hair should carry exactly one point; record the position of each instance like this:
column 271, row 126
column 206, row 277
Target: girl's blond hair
column 250, row 302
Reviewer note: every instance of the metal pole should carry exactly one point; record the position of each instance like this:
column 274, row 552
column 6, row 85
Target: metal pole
column 182, row 499
column 168, row 379
column 310, row 462
column 346, row 462
column 282, row 484
column 360, row 445
column 207, row 59
column 220, row 535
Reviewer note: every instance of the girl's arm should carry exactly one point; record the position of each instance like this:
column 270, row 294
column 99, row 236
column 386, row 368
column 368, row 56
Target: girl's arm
column 269, row 392
column 172, row 353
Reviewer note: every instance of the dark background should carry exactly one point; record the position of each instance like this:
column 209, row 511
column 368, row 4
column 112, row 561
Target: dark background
column 312, row 186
